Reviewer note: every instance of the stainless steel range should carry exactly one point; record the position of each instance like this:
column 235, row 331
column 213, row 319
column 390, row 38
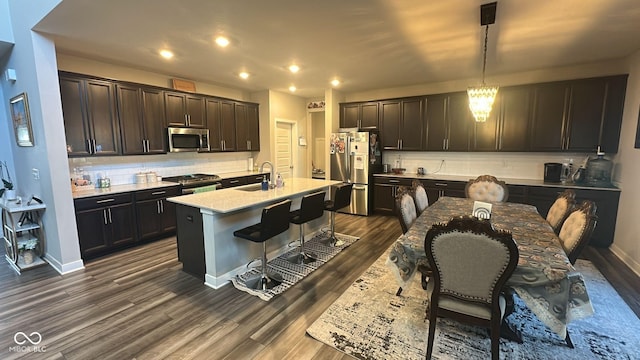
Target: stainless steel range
column 193, row 181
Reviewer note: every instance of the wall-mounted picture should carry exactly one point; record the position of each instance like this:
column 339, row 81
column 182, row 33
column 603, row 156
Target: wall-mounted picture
column 21, row 120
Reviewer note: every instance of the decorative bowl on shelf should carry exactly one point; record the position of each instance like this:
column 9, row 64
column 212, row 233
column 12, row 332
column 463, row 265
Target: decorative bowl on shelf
column 398, row 171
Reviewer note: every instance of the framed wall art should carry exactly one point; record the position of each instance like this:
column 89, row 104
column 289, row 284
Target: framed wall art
column 21, row 120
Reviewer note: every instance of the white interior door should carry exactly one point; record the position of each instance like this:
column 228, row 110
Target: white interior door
column 284, row 149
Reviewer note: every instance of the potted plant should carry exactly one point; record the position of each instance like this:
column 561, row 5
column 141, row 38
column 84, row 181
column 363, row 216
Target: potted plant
column 6, row 182
column 27, row 250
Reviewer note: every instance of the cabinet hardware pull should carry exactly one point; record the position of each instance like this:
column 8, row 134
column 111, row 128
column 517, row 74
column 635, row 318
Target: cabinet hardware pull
column 158, row 206
column 186, row 120
column 162, row 206
column 189, row 218
column 105, row 201
column 110, row 220
column 158, row 192
column 233, row 181
column 148, row 146
column 94, row 146
column 248, row 144
column 441, row 184
column 104, row 215
column 144, row 146
column 89, row 146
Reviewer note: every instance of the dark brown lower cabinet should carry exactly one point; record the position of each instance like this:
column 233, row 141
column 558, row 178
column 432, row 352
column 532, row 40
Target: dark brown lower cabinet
column 108, row 223
column 156, row 216
column 105, row 223
column 606, row 202
column 542, row 197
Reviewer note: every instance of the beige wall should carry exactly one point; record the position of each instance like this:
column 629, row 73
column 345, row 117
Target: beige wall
column 613, row 67
column 627, row 172
column 86, row 66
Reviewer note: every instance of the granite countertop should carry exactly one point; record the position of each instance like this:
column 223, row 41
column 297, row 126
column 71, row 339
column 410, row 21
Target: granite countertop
column 88, row 191
column 233, row 199
column 509, row 181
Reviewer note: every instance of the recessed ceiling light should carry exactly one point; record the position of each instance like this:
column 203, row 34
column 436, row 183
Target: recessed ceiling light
column 335, row 82
column 244, row 75
column 292, row 88
column 294, row 68
column 222, row 41
column 167, row 54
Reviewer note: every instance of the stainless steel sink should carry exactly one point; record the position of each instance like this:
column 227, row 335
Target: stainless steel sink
column 253, row 187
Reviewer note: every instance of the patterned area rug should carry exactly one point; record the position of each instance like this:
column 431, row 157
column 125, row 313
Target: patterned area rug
column 369, row 322
column 292, row 273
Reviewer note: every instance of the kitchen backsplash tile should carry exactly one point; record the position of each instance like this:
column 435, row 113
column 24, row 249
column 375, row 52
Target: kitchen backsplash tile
column 507, row 165
column 122, row 169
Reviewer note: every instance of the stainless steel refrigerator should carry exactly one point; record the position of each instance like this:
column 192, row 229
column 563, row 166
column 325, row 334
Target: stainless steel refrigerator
column 355, row 156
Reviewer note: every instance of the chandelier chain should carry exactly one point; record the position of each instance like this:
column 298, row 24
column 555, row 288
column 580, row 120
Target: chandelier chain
column 484, row 58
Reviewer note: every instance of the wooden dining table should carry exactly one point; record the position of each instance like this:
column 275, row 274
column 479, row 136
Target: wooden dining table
column 544, row 279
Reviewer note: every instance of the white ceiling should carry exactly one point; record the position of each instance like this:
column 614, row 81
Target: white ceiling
column 367, row 44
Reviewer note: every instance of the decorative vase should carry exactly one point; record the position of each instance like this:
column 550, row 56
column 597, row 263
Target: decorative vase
column 28, row 257
column 10, row 194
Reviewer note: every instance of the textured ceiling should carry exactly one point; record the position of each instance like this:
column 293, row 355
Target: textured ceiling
column 367, row 44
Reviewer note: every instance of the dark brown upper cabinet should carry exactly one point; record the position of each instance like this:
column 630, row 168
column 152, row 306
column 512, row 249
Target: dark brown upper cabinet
column 142, row 122
column 595, row 114
column 448, row 122
column 184, row 110
column 247, row 127
column 401, row 123
column 549, row 116
column 221, row 120
column 362, row 115
column 507, row 128
column 90, row 120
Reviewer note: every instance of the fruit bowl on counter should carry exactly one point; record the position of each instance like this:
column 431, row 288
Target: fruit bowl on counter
column 398, row 171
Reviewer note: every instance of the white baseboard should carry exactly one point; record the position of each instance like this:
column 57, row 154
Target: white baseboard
column 64, row 268
column 628, row 260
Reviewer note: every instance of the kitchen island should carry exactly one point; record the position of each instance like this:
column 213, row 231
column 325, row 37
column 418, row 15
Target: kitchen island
column 206, row 222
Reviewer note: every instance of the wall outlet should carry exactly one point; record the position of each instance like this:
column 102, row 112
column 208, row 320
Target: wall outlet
column 36, row 174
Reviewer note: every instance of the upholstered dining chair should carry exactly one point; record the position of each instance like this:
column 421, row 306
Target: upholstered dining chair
column 471, row 263
column 407, row 215
column 577, row 229
column 487, row 188
column 419, row 196
column 560, row 209
column 405, row 208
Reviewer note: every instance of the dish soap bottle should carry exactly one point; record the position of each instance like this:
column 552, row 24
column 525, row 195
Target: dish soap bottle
column 265, row 183
column 279, row 182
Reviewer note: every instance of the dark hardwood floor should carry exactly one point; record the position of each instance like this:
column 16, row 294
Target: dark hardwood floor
column 139, row 304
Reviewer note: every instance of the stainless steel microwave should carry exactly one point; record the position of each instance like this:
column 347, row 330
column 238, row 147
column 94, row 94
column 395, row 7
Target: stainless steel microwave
column 188, row 139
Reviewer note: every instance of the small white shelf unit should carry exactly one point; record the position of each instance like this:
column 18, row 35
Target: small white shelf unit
column 22, row 224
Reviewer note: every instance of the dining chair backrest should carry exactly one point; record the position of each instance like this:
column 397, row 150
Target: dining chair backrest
column 471, row 260
column 470, row 264
column 405, row 208
column 419, row 196
column 560, row 209
column 487, row 188
column 577, row 229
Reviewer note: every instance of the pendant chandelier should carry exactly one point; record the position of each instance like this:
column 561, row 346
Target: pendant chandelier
column 481, row 98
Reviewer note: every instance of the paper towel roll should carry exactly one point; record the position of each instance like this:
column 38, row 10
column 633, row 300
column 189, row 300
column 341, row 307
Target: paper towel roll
column 250, row 164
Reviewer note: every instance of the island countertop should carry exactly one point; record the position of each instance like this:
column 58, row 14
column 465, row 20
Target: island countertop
column 238, row 198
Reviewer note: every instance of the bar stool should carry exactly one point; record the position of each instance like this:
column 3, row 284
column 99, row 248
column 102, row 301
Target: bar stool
column 341, row 199
column 311, row 208
column 274, row 221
